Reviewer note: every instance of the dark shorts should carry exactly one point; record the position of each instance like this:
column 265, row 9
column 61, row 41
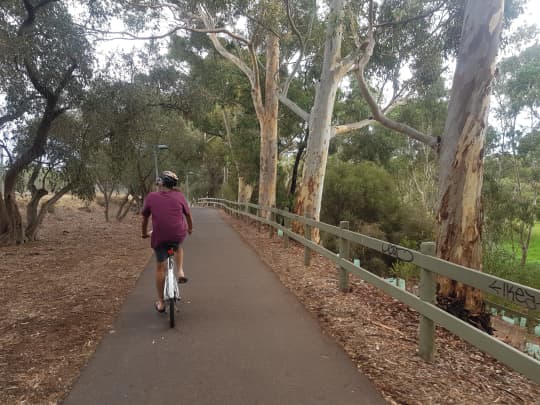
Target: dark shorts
column 161, row 250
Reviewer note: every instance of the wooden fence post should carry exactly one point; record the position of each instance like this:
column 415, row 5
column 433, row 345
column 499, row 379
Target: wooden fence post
column 344, row 252
column 259, row 223
column 307, row 251
column 426, row 341
column 287, row 224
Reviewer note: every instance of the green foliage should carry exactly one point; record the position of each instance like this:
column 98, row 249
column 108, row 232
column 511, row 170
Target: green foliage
column 502, row 263
column 358, row 193
column 511, row 169
column 46, row 47
column 365, row 194
column 228, row 192
column 406, row 271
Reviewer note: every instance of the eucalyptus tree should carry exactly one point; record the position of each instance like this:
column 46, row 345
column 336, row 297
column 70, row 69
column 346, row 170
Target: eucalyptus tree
column 337, row 59
column 220, row 106
column 261, row 35
column 460, row 147
column 44, row 62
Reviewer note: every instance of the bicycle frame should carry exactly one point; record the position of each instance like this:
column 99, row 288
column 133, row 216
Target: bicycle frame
column 171, row 291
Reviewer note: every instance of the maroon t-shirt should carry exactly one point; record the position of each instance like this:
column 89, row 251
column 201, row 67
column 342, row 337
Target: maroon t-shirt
column 167, row 209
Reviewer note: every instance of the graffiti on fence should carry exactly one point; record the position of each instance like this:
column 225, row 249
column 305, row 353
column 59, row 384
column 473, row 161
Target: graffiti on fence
column 398, row 252
column 515, row 294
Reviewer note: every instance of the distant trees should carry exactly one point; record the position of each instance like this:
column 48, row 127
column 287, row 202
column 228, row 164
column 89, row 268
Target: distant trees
column 514, row 151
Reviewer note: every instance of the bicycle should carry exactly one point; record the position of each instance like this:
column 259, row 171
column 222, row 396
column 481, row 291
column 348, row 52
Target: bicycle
column 171, row 290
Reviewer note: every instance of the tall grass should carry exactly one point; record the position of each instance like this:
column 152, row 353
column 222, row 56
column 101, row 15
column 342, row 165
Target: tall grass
column 533, row 254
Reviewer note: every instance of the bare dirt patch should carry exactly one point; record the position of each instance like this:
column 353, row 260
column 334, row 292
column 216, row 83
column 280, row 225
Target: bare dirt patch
column 380, row 335
column 60, row 295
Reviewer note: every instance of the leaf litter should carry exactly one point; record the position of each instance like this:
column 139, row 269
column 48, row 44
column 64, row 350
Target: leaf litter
column 380, row 335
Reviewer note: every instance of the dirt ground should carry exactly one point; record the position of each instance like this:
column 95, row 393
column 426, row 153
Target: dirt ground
column 380, row 335
column 61, row 294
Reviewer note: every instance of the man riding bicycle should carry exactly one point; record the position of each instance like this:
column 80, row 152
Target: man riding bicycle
column 168, row 207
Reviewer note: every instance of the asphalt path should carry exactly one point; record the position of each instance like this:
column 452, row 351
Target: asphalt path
column 241, row 338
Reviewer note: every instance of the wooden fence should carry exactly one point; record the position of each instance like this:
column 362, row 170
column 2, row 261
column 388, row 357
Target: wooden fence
column 430, row 266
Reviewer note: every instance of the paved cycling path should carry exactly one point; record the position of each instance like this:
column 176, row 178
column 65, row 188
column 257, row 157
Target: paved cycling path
column 242, row 339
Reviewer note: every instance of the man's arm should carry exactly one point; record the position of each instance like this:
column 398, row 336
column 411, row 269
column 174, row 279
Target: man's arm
column 189, row 223
column 145, row 227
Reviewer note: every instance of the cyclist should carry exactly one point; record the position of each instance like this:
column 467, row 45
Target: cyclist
column 168, row 207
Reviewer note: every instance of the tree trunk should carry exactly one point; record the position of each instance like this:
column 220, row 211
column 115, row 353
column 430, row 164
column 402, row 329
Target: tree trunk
column 525, row 244
column 14, row 231
column 124, row 208
column 32, row 209
column 308, row 201
column 294, row 179
column 107, row 193
column 461, row 153
column 269, row 149
column 245, row 190
column 267, row 111
column 34, row 224
column 3, row 215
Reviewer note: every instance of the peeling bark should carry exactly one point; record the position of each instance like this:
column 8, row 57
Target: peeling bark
column 308, row 201
column 461, row 151
column 269, row 148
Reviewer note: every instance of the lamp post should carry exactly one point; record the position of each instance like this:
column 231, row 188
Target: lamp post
column 156, row 148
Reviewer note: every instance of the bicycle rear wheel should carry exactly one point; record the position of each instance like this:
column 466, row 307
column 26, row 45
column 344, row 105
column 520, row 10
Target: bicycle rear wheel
column 171, row 312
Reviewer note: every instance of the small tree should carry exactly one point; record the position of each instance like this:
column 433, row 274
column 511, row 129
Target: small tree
column 43, row 50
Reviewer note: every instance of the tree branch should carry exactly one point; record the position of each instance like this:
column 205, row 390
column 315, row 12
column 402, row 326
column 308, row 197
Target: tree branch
column 33, row 76
column 251, row 73
column 8, row 153
column 219, row 47
column 128, row 36
column 285, row 89
column 295, row 108
column 31, row 14
column 262, row 24
column 379, row 115
column 411, row 19
column 343, row 129
column 12, row 116
column 346, row 65
column 68, row 74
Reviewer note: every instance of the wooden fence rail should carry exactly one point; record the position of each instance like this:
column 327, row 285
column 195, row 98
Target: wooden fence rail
column 525, row 296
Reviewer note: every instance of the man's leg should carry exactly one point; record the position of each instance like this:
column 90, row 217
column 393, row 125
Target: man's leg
column 161, row 267
column 179, row 256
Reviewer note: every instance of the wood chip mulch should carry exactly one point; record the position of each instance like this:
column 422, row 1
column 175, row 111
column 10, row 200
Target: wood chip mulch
column 60, row 295
column 380, row 335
